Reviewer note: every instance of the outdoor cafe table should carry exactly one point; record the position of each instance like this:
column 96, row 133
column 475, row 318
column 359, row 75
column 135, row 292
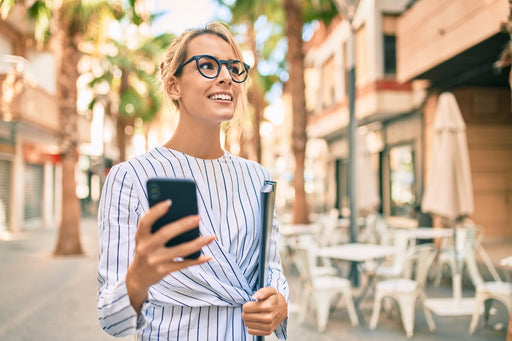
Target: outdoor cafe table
column 359, row 253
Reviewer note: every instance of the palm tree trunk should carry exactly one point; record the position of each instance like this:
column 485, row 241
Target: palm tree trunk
column 295, row 84
column 67, row 74
column 121, row 137
column 255, row 96
column 121, row 121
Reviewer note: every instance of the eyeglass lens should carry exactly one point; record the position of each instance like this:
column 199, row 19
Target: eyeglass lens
column 210, row 68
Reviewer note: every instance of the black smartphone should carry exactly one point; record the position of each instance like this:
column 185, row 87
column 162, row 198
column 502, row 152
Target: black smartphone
column 182, row 193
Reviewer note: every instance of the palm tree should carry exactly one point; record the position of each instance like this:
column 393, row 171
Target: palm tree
column 130, row 75
column 245, row 13
column 295, row 86
column 72, row 22
column 297, row 13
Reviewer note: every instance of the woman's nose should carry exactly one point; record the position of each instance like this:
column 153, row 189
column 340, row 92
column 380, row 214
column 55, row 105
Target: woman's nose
column 224, row 73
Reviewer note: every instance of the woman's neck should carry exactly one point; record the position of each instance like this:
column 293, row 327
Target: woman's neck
column 200, row 143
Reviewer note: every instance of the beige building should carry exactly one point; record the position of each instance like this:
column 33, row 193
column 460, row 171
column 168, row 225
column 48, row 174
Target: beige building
column 406, row 53
column 29, row 128
column 30, row 171
column 454, row 45
column 386, row 110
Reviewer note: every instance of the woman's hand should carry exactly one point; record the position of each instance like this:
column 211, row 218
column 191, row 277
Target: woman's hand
column 153, row 260
column 262, row 317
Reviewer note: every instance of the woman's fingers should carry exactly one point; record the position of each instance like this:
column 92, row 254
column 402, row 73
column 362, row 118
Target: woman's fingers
column 151, row 216
column 175, row 265
column 177, row 252
column 153, row 260
column 166, row 232
column 264, row 315
column 174, row 229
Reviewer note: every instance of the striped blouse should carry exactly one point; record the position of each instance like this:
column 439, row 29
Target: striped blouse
column 202, row 302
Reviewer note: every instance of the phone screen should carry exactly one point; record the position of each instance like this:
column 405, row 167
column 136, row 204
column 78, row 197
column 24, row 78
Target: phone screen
column 182, row 193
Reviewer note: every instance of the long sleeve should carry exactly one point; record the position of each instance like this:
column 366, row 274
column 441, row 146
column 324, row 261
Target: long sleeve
column 117, row 223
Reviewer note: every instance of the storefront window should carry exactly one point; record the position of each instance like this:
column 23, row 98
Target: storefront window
column 402, row 180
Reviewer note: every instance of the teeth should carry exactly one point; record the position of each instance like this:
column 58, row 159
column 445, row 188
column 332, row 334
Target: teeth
column 222, row 97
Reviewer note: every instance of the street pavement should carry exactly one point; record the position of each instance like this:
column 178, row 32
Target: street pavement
column 48, row 298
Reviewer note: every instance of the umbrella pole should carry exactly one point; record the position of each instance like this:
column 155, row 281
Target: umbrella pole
column 457, row 272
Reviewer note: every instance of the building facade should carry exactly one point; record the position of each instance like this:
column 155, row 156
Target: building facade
column 455, row 46
column 406, row 54
column 28, row 129
column 30, row 167
column 386, row 110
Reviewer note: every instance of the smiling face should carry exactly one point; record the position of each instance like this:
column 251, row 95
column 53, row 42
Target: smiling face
column 204, row 101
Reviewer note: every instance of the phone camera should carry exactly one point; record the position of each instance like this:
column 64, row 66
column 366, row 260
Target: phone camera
column 154, row 191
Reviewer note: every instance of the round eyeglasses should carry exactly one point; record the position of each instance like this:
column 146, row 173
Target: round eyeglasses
column 209, row 67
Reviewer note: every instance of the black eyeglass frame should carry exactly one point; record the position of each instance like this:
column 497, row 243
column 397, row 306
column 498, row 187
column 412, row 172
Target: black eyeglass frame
column 220, row 62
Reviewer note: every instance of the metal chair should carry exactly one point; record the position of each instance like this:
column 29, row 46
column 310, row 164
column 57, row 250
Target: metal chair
column 401, row 242
column 486, row 291
column 405, row 291
column 321, row 285
column 331, row 233
column 453, row 255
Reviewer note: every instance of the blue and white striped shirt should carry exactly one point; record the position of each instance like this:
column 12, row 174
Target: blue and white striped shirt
column 202, row 302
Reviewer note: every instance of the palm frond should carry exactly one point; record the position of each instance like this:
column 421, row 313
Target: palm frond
column 5, row 7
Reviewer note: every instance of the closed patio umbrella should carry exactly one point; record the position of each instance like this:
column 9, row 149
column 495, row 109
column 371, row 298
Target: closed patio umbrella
column 449, row 192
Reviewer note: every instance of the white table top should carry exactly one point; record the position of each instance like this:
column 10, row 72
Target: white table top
column 506, row 262
column 430, row 232
column 356, row 252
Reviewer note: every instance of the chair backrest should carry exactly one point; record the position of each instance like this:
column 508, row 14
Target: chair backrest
column 329, row 228
column 367, row 233
column 400, row 242
column 382, row 230
column 464, row 237
column 422, row 257
column 305, row 256
column 470, row 257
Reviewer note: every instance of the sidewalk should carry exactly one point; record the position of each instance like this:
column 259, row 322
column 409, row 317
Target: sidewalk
column 49, row 298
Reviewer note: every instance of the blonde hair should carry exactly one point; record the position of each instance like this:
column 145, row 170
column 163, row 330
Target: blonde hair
column 177, row 52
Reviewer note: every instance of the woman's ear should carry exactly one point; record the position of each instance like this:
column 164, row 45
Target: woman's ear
column 173, row 88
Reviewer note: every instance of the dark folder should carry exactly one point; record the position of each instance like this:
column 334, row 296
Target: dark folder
column 268, row 193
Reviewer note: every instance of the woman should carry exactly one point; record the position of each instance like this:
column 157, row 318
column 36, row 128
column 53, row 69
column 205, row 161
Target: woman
column 147, row 288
